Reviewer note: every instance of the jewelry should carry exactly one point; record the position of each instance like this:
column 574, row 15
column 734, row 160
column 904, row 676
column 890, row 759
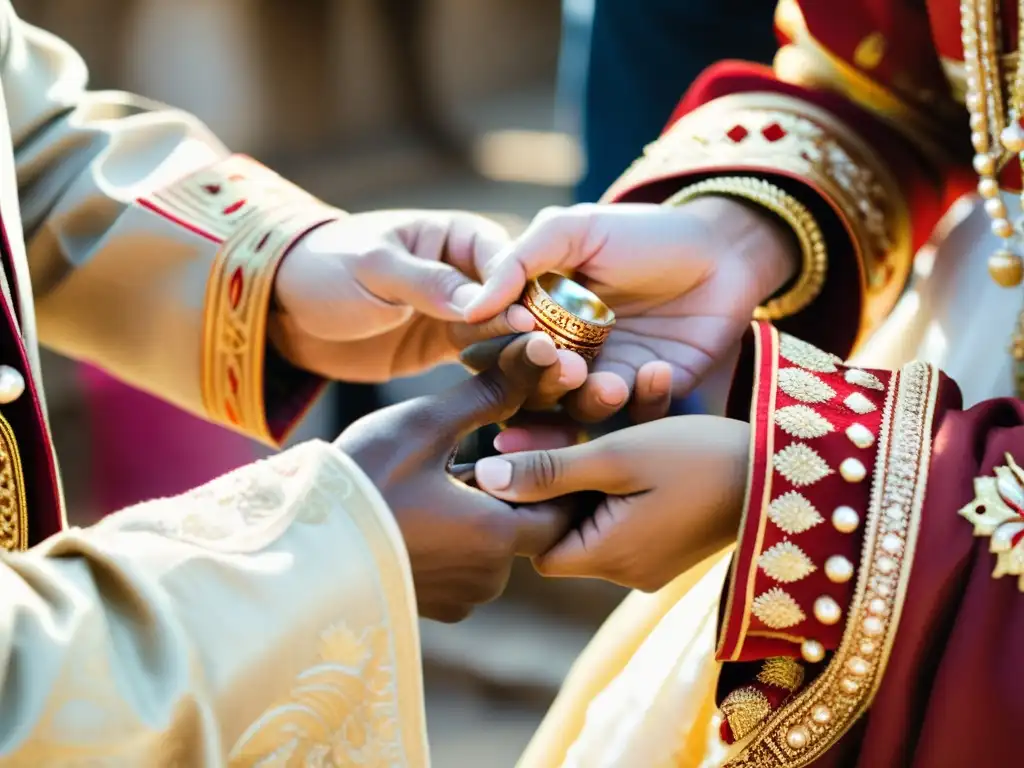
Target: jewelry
column 574, row 318
column 994, row 134
column 794, row 213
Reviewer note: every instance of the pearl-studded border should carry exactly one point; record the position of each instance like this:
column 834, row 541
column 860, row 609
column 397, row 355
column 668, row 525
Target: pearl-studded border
column 816, row 719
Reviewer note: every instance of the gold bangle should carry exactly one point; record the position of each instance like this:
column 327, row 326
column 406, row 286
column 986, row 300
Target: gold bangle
column 814, row 256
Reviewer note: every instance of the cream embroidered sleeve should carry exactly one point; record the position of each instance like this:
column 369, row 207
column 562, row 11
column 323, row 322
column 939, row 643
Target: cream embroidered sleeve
column 267, row 616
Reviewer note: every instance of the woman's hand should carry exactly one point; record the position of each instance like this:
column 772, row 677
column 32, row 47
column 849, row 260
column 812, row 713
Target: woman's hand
column 673, row 493
column 683, row 282
column 461, row 541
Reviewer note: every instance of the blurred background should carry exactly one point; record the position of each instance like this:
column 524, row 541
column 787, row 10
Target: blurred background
column 483, row 105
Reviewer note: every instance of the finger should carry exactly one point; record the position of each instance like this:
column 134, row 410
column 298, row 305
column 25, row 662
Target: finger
column 652, row 397
column 538, row 438
column 602, row 395
column 491, row 396
column 540, row 527
column 583, row 551
column 434, row 288
column 552, row 242
column 543, row 475
column 465, row 336
column 569, row 374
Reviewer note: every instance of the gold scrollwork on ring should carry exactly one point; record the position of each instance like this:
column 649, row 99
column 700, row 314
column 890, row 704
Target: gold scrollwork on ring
column 13, row 504
column 572, row 316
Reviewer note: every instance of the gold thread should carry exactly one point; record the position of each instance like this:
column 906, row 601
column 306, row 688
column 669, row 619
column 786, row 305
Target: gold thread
column 777, row 609
column 814, row 256
column 793, row 513
column 782, row 672
column 14, row 532
column 801, row 465
column 807, row 356
column 804, row 386
column 786, row 563
column 803, row 422
column 745, row 709
column 848, row 684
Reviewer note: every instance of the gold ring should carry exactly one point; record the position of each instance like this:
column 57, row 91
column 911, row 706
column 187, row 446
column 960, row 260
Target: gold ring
column 572, row 316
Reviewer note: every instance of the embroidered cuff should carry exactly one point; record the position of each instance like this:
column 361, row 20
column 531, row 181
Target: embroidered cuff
column 814, row 432
column 850, row 450
column 812, row 155
column 255, row 217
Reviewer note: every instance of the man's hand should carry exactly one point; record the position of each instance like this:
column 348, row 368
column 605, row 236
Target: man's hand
column 673, row 492
column 378, row 295
column 461, row 541
column 683, row 282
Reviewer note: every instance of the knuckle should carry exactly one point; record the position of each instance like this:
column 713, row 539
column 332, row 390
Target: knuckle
column 440, row 280
column 545, row 468
column 490, row 392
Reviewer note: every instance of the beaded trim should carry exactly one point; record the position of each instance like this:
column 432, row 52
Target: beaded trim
column 819, row 716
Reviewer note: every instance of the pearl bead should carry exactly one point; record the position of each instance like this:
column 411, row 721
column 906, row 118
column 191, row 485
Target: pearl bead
column 797, row 737
column 1002, row 228
column 12, row 384
column 979, row 140
column 852, row 470
column 892, row 543
column 838, row 569
column 867, row 647
column 988, row 188
column 886, row 565
column 877, row 606
column 984, row 165
column 821, row 714
column 973, row 101
column 978, row 121
column 995, row 208
column 812, row 651
column 827, row 610
column 849, row 686
column 858, row 667
column 1012, row 138
column 860, row 435
column 1006, row 268
column 845, row 519
column 872, row 626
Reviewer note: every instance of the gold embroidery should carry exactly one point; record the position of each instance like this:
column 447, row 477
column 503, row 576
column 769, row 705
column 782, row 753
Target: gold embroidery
column 13, row 503
column 341, row 712
column 805, row 728
column 238, row 298
column 870, row 51
column 782, row 672
column 998, row 511
column 806, row 356
column 802, row 422
column 859, row 404
column 864, row 379
column 860, row 435
column 786, row 562
column 793, row 513
column 777, row 609
column 800, row 465
column 804, row 386
column 745, row 709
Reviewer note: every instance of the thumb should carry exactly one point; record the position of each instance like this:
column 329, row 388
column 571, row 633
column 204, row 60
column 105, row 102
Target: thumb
column 434, row 288
column 553, row 242
column 494, row 395
column 539, row 475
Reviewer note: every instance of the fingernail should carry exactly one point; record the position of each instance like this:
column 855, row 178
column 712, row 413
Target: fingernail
column 493, row 473
column 465, row 295
column 609, row 398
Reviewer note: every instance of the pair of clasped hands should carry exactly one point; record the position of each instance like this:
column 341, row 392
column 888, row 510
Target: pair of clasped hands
column 385, row 294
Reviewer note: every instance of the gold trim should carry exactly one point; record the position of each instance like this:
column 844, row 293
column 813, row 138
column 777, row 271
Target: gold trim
column 805, row 61
column 748, row 592
column 795, row 736
column 238, row 298
column 14, row 533
column 814, row 255
column 763, row 133
column 744, row 710
column 782, row 672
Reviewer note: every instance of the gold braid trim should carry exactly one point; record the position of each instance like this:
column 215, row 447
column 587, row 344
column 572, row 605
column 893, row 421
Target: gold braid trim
column 782, row 672
column 745, row 709
column 815, row 719
column 238, row 297
column 770, row 134
column 814, row 257
column 13, row 502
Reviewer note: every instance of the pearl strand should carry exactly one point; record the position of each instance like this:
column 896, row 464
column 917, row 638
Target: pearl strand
column 990, row 130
